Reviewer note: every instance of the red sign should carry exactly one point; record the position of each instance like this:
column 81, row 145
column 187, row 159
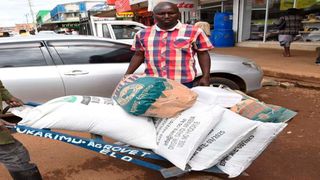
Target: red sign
column 184, row 5
column 122, row 6
column 110, row 2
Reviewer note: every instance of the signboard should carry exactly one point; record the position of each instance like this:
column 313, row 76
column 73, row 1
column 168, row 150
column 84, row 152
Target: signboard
column 110, row 2
column 300, row 4
column 71, row 7
column 124, row 14
column 122, row 6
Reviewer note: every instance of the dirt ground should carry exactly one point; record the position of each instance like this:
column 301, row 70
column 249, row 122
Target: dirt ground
column 294, row 154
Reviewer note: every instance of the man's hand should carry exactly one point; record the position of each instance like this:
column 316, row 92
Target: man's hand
column 204, row 81
column 14, row 102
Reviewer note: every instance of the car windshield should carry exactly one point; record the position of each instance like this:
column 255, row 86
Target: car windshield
column 125, row 31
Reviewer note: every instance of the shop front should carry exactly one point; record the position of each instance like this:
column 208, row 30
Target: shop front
column 254, row 20
column 257, row 19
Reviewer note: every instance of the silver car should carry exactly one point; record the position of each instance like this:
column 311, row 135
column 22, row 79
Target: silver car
column 40, row 68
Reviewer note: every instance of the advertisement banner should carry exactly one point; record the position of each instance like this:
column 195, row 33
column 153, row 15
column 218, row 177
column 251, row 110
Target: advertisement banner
column 122, row 6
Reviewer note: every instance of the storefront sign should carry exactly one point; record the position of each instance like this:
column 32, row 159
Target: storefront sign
column 136, row 1
column 286, row 4
column 124, row 14
column 71, row 7
column 70, row 25
column 185, row 5
column 122, row 6
column 110, row 2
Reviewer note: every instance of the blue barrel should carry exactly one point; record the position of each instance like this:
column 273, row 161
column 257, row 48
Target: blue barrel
column 222, row 37
column 222, row 20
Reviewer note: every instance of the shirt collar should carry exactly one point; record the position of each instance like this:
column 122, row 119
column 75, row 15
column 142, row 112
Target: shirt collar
column 177, row 26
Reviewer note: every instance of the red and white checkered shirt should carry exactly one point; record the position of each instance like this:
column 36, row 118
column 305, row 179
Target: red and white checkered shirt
column 169, row 53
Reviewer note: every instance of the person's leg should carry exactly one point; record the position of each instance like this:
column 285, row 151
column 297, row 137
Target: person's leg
column 282, row 42
column 285, row 41
column 16, row 159
column 318, row 56
column 288, row 43
column 287, row 51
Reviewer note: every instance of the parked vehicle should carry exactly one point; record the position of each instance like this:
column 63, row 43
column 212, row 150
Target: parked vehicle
column 40, row 68
column 47, row 32
column 120, row 30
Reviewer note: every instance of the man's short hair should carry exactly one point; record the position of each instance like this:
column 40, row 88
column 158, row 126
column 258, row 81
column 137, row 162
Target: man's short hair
column 160, row 4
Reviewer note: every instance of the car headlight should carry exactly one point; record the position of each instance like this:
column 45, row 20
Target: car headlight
column 251, row 65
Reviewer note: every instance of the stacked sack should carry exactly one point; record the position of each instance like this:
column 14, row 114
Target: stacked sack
column 192, row 128
column 153, row 96
column 92, row 114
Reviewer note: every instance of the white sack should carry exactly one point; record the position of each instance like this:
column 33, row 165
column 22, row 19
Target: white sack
column 222, row 139
column 95, row 115
column 217, row 96
column 250, row 148
column 179, row 137
column 21, row 111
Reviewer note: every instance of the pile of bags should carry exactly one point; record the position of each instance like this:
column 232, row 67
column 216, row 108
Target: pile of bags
column 194, row 128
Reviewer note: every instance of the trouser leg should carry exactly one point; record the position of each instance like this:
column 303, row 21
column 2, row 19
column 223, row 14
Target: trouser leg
column 16, row 159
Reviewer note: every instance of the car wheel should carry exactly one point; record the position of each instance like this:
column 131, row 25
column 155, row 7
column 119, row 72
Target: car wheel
column 224, row 83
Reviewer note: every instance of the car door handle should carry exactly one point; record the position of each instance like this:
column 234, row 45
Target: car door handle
column 76, row 72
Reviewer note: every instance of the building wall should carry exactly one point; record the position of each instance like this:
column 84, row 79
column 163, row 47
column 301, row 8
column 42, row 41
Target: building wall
column 71, row 11
column 43, row 16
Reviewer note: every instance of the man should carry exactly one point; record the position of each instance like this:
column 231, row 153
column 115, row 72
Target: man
column 168, row 47
column 289, row 26
column 12, row 153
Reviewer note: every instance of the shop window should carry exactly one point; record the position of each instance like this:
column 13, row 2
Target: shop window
column 208, row 10
column 258, row 19
column 310, row 10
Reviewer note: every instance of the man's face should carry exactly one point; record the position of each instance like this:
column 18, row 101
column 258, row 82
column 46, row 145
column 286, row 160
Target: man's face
column 166, row 16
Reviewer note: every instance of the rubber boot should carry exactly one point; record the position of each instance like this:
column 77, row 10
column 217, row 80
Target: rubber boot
column 31, row 174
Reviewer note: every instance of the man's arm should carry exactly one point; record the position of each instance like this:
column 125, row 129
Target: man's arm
column 4, row 92
column 136, row 60
column 8, row 98
column 205, row 64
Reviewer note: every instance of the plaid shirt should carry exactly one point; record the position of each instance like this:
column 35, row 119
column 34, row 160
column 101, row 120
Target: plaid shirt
column 293, row 24
column 169, row 53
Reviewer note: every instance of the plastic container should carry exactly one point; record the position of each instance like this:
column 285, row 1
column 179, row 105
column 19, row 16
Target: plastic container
column 223, row 20
column 222, row 37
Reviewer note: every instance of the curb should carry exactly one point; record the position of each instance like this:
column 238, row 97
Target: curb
column 287, row 82
column 298, row 80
